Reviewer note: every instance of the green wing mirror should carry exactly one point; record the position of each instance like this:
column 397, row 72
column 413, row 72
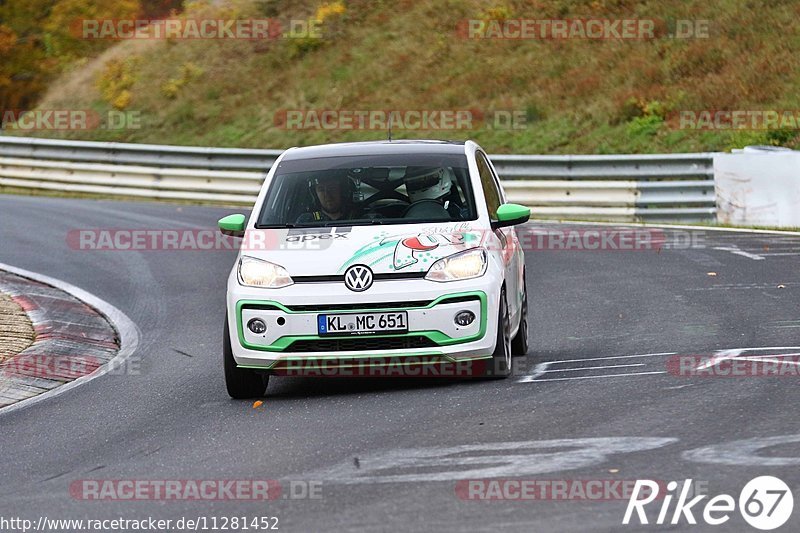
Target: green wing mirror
column 511, row 215
column 232, row 225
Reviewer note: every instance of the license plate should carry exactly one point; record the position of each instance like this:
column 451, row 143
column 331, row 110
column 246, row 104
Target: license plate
column 362, row 323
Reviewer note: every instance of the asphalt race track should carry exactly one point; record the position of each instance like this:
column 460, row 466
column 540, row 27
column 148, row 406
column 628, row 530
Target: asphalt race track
column 387, row 454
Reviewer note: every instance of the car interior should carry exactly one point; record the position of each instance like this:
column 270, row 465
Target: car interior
column 377, row 194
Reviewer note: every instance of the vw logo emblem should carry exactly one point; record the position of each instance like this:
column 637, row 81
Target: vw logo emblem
column 358, row 278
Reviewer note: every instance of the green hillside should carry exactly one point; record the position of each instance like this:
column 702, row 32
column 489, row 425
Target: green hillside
column 570, row 95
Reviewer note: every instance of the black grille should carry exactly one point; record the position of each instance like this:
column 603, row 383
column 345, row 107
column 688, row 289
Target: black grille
column 357, row 306
column 364, row 343
column 339, row 278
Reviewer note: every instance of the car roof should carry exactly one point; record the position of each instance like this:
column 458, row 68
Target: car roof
column 376, row 148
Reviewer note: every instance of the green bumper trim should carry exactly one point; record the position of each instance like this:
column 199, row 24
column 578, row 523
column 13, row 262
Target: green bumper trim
column 441, row 339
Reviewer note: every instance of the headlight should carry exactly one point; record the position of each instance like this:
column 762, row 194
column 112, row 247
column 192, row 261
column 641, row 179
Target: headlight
column 257, row 273
column 463, row 265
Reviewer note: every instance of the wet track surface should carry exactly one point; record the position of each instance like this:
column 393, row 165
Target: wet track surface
column 388, row 453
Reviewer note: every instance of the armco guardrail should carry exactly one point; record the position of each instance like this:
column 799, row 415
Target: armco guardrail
column 618, row 187
column 154, row 155
column 612, row 187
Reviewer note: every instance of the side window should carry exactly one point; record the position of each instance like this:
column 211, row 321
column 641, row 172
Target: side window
column 496, row 182
column 490, row 190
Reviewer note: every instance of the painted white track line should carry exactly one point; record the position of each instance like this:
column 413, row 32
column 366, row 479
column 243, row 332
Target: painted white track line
column 598, row 376
column 667, row 226
column 770, row 355
column 545, row 367
column 735, row 353
column 735, row 250
column 577, row 369
column 128, row 334
column 766, row 359
column 613, row 357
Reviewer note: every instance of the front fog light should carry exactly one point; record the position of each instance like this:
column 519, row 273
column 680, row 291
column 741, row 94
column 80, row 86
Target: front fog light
column 464, row 318
column 257, row 326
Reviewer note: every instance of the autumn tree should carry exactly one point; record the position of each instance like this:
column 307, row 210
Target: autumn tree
column 41, row 38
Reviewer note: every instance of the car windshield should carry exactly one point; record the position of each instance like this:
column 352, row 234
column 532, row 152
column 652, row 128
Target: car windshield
column 363, row 190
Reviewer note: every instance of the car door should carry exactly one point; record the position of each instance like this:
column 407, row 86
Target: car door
column 517, row 263
column 506, row 237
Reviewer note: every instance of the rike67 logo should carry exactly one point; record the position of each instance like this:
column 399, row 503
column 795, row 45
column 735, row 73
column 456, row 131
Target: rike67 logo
column 765, row 503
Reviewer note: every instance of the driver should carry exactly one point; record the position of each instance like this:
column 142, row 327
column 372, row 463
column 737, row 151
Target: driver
column 428, row 184
column 334, row 196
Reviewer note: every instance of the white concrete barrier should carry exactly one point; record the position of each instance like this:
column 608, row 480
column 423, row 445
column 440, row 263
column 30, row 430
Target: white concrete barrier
column 758, row 188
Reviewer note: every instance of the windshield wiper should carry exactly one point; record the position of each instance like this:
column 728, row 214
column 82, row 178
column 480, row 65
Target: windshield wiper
column 371, row 222
column 276, row 226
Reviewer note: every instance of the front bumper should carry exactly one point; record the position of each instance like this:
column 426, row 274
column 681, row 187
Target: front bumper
column 432, row 335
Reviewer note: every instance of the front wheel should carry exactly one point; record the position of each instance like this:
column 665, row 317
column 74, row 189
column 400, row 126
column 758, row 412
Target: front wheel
column 242, row 383
column 500, row 363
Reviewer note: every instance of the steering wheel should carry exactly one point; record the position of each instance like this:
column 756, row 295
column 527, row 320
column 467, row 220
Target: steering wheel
column 393, row 210
column 419, row 203
column 428, row 209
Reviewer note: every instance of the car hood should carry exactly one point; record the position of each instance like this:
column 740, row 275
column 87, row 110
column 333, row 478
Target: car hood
column 384, row 248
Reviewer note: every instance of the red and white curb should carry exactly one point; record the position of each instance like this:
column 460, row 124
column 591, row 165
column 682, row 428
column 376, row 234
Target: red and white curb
column 79, row 337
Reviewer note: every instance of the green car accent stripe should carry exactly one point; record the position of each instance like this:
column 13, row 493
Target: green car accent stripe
column 380, row 259
column 436, row 336
column 366, row 309
column 367, row 250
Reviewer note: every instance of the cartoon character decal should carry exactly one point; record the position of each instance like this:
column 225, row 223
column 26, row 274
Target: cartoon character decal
column 408, row 249
column 422, row 249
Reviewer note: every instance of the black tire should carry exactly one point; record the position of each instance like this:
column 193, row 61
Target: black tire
column 519, row 344
column 242, row 383
column 500, row 363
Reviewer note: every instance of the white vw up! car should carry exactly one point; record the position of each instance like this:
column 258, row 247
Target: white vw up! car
column 373, row 255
